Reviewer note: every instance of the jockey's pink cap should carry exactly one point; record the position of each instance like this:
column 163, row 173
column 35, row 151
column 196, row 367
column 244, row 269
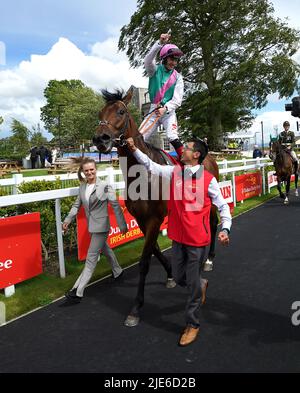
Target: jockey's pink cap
column 170, row 50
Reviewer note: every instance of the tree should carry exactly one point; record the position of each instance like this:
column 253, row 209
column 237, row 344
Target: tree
column 236, row 54
column 37, row 138
column 71, row 112
column 1, row 120
column 20, row 137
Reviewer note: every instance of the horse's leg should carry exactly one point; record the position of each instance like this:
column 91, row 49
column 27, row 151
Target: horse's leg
column 287, row 189
column 166, row 264
column 150, row 230
column 296, row 184
column 208, row 264
column 279, row 189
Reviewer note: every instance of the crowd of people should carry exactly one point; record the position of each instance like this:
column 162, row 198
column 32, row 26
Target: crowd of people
column 47, row 156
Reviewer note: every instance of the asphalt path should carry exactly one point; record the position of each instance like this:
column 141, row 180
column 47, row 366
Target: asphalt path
column 246, row 323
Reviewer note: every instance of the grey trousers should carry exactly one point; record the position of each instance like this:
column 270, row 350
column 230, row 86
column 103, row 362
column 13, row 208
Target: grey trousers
column 98, row 244
column 186, row 269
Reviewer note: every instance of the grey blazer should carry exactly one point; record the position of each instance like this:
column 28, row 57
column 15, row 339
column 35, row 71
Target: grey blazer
column 96, row 208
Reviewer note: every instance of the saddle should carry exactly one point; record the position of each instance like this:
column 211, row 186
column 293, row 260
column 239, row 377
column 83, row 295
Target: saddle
column 168, row 159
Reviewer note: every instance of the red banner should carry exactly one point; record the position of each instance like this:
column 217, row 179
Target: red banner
column 248, row 186
column 115, row 237
column 20, row 248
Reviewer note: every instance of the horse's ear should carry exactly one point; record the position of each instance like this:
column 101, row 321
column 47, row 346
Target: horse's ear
column 128, row 96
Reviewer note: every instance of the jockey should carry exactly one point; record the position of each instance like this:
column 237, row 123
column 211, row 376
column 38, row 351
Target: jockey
column 165, row 90
column 287, row 140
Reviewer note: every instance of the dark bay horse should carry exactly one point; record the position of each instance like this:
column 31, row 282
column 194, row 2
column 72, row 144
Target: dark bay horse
column 116, row 125
column 284, row 167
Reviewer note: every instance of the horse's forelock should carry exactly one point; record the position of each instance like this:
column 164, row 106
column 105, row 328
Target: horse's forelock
column 110, row 97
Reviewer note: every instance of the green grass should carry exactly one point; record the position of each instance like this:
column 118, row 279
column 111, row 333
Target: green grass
column 45, row 288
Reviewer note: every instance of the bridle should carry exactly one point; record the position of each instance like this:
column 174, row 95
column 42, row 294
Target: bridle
column 121, row 140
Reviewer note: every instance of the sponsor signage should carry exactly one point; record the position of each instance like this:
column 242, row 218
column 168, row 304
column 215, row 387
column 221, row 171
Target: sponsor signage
column 20, row 249
column 248, row 186
column 227, row 192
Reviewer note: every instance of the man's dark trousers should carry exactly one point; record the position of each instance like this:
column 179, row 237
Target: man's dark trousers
column 186, row 268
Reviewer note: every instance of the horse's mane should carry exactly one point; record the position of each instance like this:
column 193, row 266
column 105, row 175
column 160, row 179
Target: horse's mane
column 110, row 97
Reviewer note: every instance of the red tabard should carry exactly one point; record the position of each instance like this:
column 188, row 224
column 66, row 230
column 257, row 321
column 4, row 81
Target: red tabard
column 189, row 209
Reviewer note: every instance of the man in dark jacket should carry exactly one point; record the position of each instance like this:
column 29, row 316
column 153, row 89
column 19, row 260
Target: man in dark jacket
column 43, row 153
column 257, row 152
column 34, row 153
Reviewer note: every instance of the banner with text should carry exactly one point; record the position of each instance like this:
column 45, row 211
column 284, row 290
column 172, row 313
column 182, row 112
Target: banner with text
column 272, row 179
column 20, row 248
column 248, row 186
column 227, row 192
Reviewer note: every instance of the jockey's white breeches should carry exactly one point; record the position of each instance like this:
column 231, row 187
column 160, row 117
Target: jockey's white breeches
column 168, row 121
column 293, row 154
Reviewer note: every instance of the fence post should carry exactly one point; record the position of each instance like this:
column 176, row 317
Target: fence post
column 2, row 313
column 9, row 291
column 110, row 175
column 225, row 166
column 18, row 179
column 60, row 244
column 233, row 189
column 264, row 179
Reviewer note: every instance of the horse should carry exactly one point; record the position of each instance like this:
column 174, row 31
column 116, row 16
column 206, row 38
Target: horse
column 284, row 167
column 115, row 126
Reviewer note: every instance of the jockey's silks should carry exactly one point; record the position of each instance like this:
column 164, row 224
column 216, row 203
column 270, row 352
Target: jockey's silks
column 162, row 85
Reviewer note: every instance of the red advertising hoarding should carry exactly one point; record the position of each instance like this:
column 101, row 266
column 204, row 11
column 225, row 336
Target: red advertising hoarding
column 20, row 249
column 248, row 186
column 115, row 237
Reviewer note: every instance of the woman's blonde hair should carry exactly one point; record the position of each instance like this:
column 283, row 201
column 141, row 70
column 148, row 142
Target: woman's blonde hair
column 77, row 164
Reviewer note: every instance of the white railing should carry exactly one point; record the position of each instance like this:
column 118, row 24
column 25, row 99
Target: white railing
column 17, row 179
column 109, row 173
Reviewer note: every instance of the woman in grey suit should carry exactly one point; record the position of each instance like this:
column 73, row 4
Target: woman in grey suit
column 94, row 195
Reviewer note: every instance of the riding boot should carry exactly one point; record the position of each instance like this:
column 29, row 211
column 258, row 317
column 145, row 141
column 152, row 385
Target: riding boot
column 178, row 146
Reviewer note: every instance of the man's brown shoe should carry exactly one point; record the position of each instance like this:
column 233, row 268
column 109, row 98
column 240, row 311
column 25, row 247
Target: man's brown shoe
column 204, row 289
column 188, row 336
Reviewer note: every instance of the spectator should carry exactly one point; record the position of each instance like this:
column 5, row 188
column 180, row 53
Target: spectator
column 49, row 156
column 54, row 153
column 42, row 153
column 34, row 153
column 257, row 152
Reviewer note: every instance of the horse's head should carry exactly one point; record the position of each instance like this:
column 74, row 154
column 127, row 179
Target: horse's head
column 114, row 121
column 274, row 149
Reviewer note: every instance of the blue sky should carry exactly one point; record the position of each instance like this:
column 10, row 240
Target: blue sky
column 58, row 39
column 33, row 26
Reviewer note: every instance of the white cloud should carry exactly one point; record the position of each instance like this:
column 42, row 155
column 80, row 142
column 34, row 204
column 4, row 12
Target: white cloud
column 272, row 122
column 21, row 88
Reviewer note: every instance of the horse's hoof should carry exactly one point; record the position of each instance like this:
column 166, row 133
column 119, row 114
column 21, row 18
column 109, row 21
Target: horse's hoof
column 131, row 321
column 208, row 266
column 296, row 193
column 286, row 201
column 171, row 283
